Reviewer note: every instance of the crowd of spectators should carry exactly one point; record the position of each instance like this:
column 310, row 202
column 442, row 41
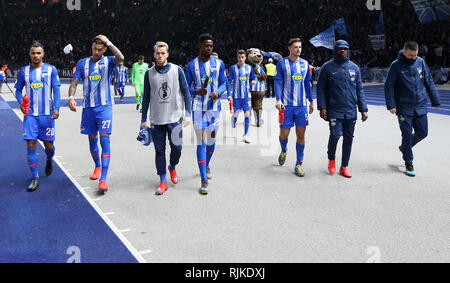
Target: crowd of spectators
column 134, row 26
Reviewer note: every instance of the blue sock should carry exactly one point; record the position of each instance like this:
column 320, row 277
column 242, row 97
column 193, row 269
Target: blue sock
column 106, row 156
column 234, row 121
column 33, row 162
column 122, row 92
column 93, row 147
column 283, row 144
column 201, row 158
column 300, row 149
column 246, row 125
column 50, row 153
column 162, row 177
column 210, row 149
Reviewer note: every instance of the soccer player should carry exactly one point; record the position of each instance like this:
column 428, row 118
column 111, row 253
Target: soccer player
column 121, row 79
column 292, row 89
column 408, row 83
column 206, row 80
column 239, row 77
column 40, row 81
column 166, row 95
column 137, row 79
column 95, row 72
column 339, row 91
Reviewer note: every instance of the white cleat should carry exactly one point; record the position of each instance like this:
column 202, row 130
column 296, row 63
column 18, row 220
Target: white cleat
column 246, row 139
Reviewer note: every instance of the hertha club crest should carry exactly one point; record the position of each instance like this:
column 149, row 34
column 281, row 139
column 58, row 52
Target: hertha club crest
column 164, row 91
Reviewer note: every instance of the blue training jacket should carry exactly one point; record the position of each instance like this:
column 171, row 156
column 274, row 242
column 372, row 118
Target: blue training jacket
column 407, row 86
column 339, row 88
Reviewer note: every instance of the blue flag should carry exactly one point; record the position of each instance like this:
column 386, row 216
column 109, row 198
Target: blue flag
column 380, row 26
column 340, row 27
column 325, row 39
column 377, row 41
column 431, row 10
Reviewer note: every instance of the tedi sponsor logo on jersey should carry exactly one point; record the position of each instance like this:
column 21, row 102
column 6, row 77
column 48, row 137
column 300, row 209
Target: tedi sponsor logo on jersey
column 95, row 77
column 207, row 78
column 297, row 77
column 36, row 85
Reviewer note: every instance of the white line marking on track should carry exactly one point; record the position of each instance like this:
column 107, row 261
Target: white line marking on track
column 111, row 225
column 109, row 213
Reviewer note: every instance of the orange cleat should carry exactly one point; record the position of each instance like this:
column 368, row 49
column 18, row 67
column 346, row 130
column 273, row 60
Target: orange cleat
column 162, row 188
column 173, row 176
column 331, row 167
column 344, row 172
column 102, row 186
column 96, row 174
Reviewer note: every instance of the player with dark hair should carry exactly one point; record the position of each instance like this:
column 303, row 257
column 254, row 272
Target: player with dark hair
column 292, row 90
column 95, row 72
column 408, row 84
column 207, row 81
column 240, row 76
column 40, row 81
column 137, row 79
column 120, row 79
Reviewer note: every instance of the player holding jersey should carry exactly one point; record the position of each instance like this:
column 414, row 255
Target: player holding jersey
column 292, row 89
column 239, row 77
column 121, row 79
column 206, row 79
column 137, row 79
column 40, row 81
column 95, row 72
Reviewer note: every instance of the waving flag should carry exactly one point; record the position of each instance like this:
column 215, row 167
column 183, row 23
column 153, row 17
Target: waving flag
column 380, row 26
column 340, row 27
column 325, row 39
column 431, row 10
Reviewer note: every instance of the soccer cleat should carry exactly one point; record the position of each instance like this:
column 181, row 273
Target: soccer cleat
column 162, row 188
column 208, row 172
column 173, row 176
column 96, row 174
column 344, row 172
column 204, row 188
column 102, row 187
column 299, row 171
column 282, row 158
column 33, row 185
column 121, row 99
column 48, row 168
column 331, row 166
column 246, row 139
column 410, row 170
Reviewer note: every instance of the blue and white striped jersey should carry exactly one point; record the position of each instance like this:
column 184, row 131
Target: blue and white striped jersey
column 96, row 78
column 292, row 82
column 239, row 81
column 121, row 74
column 39, row 84
column 260, row 85
column 210, row 74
